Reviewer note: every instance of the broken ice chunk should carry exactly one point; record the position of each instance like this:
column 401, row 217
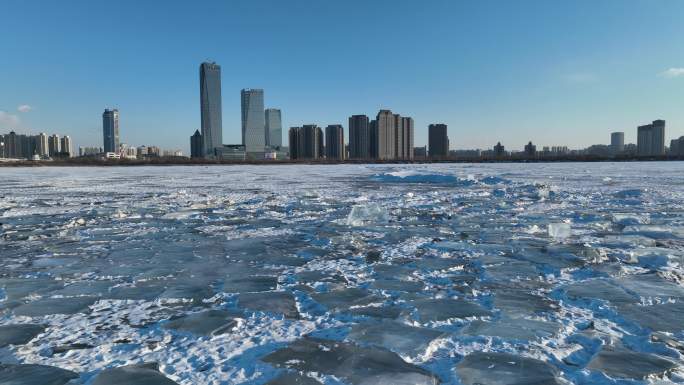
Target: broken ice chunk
column 34, row 375
column 395, row 336
column 505, row 369
column 519, row 303
column 253, row 284
column 632, row 193
column 293, row 379
column 559, row 231
column 355, row 364
column 47, row 306
column 143, row 374
column 340, row 300
column 664, row 317
column 361, row 215
column 622, row 363
column 445, row 308
column 601, row 289
column 18, row 334
column 277, row 302
column 210, row 322
column 521, row 329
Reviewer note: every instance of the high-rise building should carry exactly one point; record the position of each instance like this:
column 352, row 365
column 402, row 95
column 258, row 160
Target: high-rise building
column 210, row 108
column 651, row 139
column 617, row 142
column 65, row 146
column 499, row 149
column 530, row 149
column 398, row 137
column 253, row 116
column 110, row 130
column 42, row 148
column 296, row 142
column 359, row 137
column 334, row 142
column 384, row 135
column 438, row 141
column 196, row 145
column 658, row 137
column 407, row 124
column 321, row 143
column 274, row 129
column 373, row 141
column 677, row 146
column 54, row 145
column 306, row 142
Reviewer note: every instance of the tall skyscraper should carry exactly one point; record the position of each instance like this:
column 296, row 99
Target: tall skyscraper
column 43, row 149
column 398, row 137
column 651, row 139
column 438, row 141
column 658, row 137
column 384, row 133
column 274, row 129
column 407, row 123
column 196, row 145
column 617, row 142
column 253, row 124
column 359, row 137
column 296, row 142
column 54, row 145
column 373, row 139
column 334, row 142
column 65, row 146
column 210, row 108
column 110, row 130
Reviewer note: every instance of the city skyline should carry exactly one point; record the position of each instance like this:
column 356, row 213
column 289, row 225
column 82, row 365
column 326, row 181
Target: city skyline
column 487, row 86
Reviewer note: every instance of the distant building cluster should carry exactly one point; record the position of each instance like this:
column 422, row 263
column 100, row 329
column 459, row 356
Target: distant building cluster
column 388, row 137
column 34, row 147
column 113, row 148
column 650, row 143
column 261, row 127
column 306, row 142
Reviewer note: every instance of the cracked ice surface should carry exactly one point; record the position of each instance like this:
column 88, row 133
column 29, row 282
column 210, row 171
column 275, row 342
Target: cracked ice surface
column 353, row 274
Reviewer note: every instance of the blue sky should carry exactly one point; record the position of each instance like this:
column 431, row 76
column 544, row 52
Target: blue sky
column 554, row 72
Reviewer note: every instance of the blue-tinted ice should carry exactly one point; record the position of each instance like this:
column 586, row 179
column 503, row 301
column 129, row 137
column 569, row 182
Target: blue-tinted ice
column 383, row 274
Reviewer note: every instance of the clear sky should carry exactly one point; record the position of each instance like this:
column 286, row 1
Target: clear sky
column 551, row 71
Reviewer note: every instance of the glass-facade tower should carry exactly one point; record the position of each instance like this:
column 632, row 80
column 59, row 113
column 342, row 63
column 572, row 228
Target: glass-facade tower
column 110, row 130
column 274, row 129
column 210, row 106
column 253, row 124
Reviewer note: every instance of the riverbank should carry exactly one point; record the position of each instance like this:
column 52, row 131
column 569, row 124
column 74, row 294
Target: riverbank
column 163, row 161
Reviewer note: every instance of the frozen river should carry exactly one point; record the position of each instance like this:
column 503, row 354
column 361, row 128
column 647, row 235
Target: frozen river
column 494, row 274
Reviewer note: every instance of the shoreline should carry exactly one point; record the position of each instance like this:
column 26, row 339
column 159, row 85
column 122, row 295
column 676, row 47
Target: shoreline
column 90, row 162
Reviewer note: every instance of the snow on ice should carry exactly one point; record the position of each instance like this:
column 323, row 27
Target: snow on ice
column 348, row 274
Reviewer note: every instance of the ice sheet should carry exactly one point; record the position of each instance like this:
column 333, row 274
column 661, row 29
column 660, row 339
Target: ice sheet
column 347, row 274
